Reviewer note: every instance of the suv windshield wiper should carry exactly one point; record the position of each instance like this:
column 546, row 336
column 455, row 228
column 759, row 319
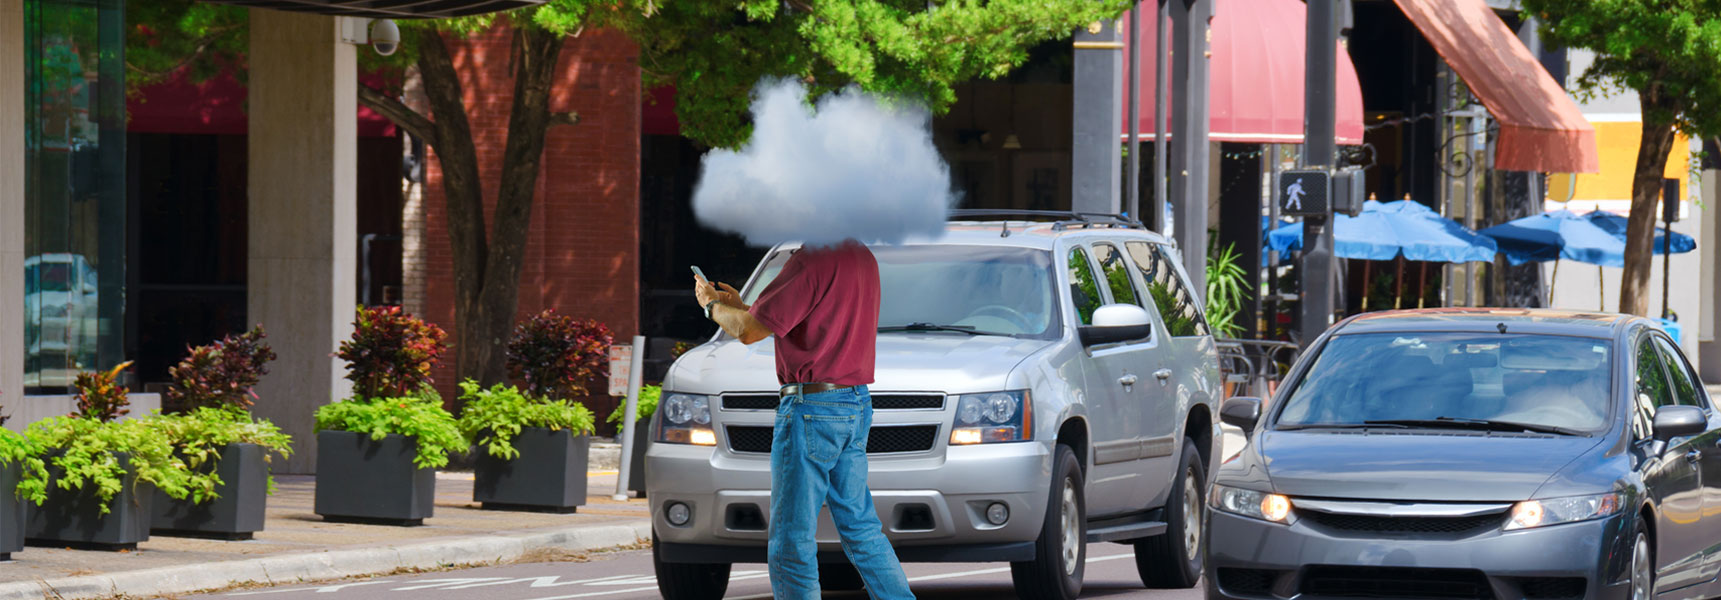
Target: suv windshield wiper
column 1478, row 424
column 968, row 329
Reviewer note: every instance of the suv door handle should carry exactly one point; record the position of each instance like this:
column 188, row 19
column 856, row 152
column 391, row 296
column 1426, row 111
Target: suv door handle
column 1127, row 379
column 1162, row 374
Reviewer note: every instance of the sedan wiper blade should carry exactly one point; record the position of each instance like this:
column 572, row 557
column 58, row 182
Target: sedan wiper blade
column 1365, row 425
column 1479, row 424
column 968, row 329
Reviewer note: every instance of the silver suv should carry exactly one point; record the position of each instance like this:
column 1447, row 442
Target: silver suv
column 1040, row 386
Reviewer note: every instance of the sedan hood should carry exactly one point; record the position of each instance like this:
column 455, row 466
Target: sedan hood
column 928, row 362
column 1414, row 465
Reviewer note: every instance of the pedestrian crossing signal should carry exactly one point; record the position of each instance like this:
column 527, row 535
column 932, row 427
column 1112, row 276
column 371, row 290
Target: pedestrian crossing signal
column 1305, row 193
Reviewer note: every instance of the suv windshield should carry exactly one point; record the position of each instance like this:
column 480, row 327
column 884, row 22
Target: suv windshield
column 988, row 290
column 1458, row 380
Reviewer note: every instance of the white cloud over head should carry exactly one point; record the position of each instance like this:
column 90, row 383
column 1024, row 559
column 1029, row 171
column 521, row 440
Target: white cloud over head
column 856, row 167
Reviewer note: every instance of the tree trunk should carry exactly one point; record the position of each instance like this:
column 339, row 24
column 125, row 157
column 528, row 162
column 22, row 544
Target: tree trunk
column 1645, row 198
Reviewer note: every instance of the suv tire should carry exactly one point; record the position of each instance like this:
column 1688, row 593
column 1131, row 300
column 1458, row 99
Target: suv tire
column 687, row 581
column 1060, row 553
column 1173, row 559
column 840, row 577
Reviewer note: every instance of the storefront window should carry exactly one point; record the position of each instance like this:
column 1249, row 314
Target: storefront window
column 75, row 208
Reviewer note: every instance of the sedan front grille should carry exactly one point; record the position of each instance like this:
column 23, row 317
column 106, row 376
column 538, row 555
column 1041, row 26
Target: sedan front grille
column 1402, row 525
column 885, row 439
column 1388, row 582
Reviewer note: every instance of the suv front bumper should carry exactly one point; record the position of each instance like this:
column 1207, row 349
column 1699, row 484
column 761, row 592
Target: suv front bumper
column 933, row 506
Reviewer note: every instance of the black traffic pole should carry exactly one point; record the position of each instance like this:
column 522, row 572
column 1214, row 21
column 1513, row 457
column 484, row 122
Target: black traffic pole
column 1132, row 94
column 1161, row 79
column 1319, row 148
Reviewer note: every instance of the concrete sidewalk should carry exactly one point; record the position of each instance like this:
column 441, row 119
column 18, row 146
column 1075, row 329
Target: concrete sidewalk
column 297, row 545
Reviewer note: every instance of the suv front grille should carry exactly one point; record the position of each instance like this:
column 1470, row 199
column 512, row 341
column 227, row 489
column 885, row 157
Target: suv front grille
column 879, row 402
column 884, row 439
column 1386, row 582
column 1401, row 525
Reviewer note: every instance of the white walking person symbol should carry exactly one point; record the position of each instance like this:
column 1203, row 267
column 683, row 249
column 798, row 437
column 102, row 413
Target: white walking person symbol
column 1294, row 195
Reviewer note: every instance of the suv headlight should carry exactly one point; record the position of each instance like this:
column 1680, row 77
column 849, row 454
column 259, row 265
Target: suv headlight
column 993, row 417
column 1555, row 511
column 686, row 419
column 1250, row 503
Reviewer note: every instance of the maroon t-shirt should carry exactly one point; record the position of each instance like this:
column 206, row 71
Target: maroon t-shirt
column 823, row 308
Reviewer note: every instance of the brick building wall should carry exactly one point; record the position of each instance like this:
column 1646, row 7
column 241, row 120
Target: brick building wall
column 583, row 241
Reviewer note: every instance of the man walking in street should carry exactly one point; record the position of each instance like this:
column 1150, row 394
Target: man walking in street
column 823, row 309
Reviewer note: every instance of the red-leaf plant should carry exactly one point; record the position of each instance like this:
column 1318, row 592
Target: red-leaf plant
column 391, row 353
column 100, row 396
column 221, row 374
column 555, row 356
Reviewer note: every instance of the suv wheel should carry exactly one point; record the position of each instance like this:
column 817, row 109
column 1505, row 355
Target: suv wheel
column 840, row 577
column 1173, row 559
column 686, row 581
column 1060, row 554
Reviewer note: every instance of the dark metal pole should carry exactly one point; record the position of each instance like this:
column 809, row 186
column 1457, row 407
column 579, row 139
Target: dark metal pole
column 1319, row 148
column 1160, row 83
column 1666, row 264
column 1190, row 161
column 1132, row 193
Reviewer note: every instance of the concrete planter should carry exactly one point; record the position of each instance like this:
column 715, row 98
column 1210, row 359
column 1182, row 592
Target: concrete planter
column 636, row 469
column 549, row 475
column 74, row 518
column 12, row 513
column 361, row 480
column 237, row 512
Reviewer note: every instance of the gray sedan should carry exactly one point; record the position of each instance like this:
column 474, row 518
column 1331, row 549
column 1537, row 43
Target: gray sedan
column 1474, row 453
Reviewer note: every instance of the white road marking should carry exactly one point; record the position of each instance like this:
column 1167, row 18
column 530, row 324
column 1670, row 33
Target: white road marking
column 433, row 583
column 320, row 590
column 547, row 581
column 938, row 576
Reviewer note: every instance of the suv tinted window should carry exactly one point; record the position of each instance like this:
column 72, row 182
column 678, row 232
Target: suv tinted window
column 1117, row 274
column 1084, row 294
column 1652, row 391
column 1169, row 292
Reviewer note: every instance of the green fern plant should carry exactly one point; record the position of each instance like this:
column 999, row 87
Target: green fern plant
column 19, row 450
column 84, row 453
column 419, row 416
column 198, row 436
column 493, row 417
column 648, row 396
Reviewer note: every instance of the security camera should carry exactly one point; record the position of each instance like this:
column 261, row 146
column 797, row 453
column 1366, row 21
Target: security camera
column 384, row 36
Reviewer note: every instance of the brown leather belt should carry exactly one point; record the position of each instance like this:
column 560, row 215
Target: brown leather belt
column 809, row 388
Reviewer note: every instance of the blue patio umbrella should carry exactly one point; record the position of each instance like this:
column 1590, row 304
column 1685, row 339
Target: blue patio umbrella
column 1597, row 238
column 1386, row 230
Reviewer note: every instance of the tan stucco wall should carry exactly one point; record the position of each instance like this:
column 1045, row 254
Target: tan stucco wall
column 303, row 215
column 11, row 201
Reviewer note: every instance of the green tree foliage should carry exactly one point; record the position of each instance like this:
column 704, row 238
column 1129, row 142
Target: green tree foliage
column 1669, row 52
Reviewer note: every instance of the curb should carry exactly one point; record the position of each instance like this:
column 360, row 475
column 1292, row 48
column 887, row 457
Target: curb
column 306, row 567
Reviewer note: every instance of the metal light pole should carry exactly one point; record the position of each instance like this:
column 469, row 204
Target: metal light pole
column 1132, row 193
column 1319, row 147
column 1160, row 83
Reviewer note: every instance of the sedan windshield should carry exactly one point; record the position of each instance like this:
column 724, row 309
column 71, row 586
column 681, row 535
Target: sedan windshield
column 1495, row 382
column 946, row 289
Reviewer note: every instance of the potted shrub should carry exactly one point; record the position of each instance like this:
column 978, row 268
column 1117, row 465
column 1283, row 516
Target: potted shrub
column 531, row 453
column 218, row 436
column 100, row 472
column 377, row 452
column 648, row 395
column 18, row 456
column 536, row 442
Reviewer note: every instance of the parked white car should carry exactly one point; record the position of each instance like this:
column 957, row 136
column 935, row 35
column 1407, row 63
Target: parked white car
column 60, row 300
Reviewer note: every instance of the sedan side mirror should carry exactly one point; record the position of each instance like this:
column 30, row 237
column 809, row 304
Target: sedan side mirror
column 1115, row 323
column 1241, row 412
column 1679, row 421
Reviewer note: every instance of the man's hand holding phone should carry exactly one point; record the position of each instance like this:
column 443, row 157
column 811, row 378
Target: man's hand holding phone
column 707, row 293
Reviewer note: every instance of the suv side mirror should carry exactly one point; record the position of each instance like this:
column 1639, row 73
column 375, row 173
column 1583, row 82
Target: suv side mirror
column 1241, row 412
column 1116, row 323
column 1679, row 421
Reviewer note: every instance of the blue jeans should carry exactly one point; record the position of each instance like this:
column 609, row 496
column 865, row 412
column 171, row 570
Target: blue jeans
column 818, row 457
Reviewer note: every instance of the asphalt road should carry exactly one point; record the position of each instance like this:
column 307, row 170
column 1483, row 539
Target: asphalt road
column 628, row 576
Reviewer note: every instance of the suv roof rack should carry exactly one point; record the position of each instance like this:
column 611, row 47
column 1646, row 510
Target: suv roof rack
column 1060, row 219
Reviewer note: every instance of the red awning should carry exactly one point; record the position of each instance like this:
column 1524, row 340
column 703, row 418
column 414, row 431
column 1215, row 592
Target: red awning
column 1257, row 75
column 1541, row 128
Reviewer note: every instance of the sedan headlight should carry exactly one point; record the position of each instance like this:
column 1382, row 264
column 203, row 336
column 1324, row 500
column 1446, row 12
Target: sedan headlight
column 1555, row 511
column 993, row 417
column 1250, row 503
column 686, row 419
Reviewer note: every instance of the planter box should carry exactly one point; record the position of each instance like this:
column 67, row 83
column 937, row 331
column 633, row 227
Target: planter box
column 361, row 480
column 12, row 514
column 73, row 517
column 237, row 512
column 636, row 469
column 549, row 475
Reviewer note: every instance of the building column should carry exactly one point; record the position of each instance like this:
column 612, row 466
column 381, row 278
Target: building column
column 11, row 203
column 1096, row 154
column 303, row 149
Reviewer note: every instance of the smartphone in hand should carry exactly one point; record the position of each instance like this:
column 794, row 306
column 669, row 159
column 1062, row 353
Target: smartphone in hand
column 700, row 273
